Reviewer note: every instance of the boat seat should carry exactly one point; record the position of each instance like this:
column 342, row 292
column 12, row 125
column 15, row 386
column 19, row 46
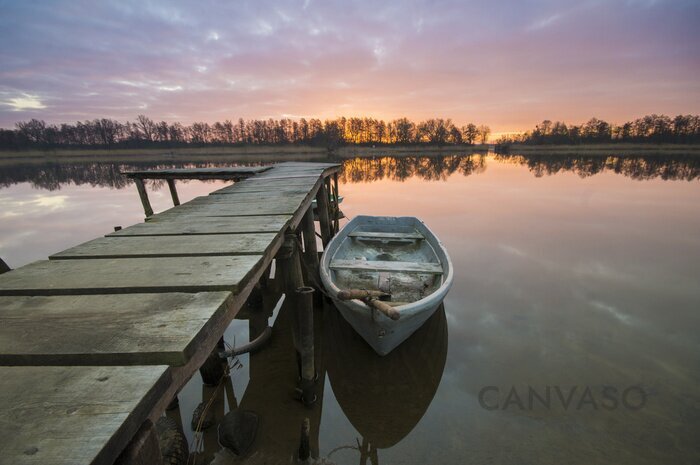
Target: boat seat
column 386, row 235
column 376, row 265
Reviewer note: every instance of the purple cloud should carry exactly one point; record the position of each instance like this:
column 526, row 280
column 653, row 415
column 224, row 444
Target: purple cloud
column 508, row 64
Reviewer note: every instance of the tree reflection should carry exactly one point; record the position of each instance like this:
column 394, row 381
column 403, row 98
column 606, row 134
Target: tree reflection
column 433, row 168
column 51, row 176
column 672, row 168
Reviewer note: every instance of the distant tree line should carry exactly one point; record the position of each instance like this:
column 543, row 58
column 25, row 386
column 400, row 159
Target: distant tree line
column 145, row 132
column 650, row 128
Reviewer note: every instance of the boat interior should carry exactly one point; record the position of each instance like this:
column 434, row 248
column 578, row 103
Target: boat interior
column 393, row 258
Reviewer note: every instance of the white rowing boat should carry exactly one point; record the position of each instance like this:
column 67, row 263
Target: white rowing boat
column 399, row 259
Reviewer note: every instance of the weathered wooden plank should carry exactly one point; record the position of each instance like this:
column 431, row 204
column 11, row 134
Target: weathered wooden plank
column 129, row 275
column 129, row 329
column 251, row 197
column 143, row 195
column 284, row 178
column 306, row 163
column 386, row 235
column 278, row 181
column 376, row 265
column 277, row 185
column 173, row 192
column 289, row 176
column 198, row 173
column 254, row 191
column 169, row 246
column 74, row 415
column 269, row 206
column 205, row 225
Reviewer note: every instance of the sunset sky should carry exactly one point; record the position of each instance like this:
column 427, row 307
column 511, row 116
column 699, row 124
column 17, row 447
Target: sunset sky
column 508, row 63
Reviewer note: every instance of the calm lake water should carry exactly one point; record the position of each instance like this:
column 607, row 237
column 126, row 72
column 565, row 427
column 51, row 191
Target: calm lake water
column 577, row 278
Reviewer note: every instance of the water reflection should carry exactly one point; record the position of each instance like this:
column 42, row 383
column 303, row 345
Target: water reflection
column 434, row 168
column 384, row 398
column 559, row 281
column 676, row 168
column 51, row 176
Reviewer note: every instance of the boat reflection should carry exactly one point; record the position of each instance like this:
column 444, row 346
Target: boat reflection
column 384, row 398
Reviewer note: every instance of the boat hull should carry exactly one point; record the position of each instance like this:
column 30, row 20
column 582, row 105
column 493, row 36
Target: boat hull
column 381, row 332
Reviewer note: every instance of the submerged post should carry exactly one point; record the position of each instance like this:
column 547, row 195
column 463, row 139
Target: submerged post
column 304, row 446
column 322, row 209
column 305, row 317
column 147, row 209
column 173, row 192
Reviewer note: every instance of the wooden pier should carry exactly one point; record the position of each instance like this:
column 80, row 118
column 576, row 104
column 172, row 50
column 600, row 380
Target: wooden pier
column 96, row 341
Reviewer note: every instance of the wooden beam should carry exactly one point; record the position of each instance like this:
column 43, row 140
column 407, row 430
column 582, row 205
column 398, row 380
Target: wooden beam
column 310, row 250
column 336, row 205
column 143, row 195
column 376, row 265
column 386, row 235
column 240, row 172
column 322, row 210
column 173, row 192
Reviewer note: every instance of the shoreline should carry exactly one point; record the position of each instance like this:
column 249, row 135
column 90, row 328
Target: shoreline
column 308, row 153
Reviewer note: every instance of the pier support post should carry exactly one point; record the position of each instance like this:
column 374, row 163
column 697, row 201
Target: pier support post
column 141, row 188
column 336, row 204
column 213, row 368
column 4, row 268
column 304, row 446
column 322, row 208
column 310, row 249
column 173, row 192
column 144, row 448
column 305, row 317
column 288, row 264
column 290, row 268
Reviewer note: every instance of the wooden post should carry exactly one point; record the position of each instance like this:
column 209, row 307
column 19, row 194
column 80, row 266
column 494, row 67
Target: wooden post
column 173, row 192
column 4, row 268
column 304, row 447
column 305, row 317
column 213, row 368
column 336, row 205
column 322, row 209
column 148, row 210
column 310, row 249
column 143, row 449
column 290, row 269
